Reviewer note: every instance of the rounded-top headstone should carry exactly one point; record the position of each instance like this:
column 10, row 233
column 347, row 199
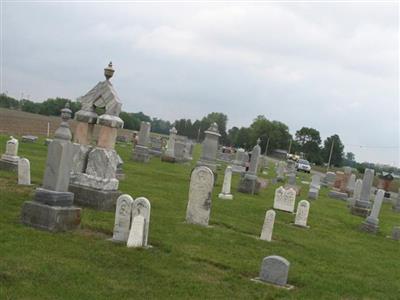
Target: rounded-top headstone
column 275, row 270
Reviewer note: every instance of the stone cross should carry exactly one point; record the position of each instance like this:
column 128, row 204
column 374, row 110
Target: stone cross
column 302, row 213
column 275, row 270
column 122, row 222
column 200, row 191
column 226, row 187
column 24, row 172
column 266, row 233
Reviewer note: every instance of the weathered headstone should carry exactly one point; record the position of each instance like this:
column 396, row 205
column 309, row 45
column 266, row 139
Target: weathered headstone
column 396, row 202
column 268, row 226
column 200, row 191
column 303, row 209
column 226, row 187
column 24, row 172
column 238, row 163
column 329, row 179
column 156, row 146
column 51, row 208
column 291, row 179
column 362, row 205
column 313, row 193
column 280, row 171
column 139, row 232
column 169, row 155
column 123, row 213
column 9, row 160
column 141, row 150
column 284, row 199
column 275, row 270
column 351, row 184
column 356, row 193
column 290, row 167
column 371, row 223
column 396, row 233
column 209, row 151
column 249, row 183
column 315, row 181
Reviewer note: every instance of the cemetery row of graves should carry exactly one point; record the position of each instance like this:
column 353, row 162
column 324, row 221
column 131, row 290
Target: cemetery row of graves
column 217, row 226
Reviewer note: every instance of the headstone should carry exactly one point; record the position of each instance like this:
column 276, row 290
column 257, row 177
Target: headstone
column 249, row 183
column 9, row 160
column 351, row 184
column 51, row 208
column 285, row 199
column 123, row 213
column 396, row 202
column 275, row 270
column 371, row 223
column 200, row 191
column 291, row 179
column 362, row 206
column 156, row 146
column 356, row 192
column 302, row 213
column 238, row 164
column 169, row 155
column 141, row 150
column 313, row 193
column 209, row 151
column 139, row 232
column 29, row 139
column 396, row 233
column 24, row 172
column 329, row 179
column 315, row 181
column 266, row 233
column 226, row 187
column 280, row 171
column 290, row 167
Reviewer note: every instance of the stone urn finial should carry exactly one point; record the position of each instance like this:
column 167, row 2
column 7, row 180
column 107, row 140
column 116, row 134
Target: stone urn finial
column 258, row 141
column 109, row 71
column 64, row 131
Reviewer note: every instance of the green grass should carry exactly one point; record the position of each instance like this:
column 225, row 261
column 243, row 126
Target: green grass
column 331, row 260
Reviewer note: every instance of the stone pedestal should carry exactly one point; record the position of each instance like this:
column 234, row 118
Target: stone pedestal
column 94, row 198
column 370, row 225
column 249, row 184
column 313, row 194
column 359, row 211
column 8, row 165
column 141, row 154
column 338, row 195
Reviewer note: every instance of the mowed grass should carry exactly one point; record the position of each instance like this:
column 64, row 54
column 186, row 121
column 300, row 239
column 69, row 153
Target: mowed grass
column 331, row 260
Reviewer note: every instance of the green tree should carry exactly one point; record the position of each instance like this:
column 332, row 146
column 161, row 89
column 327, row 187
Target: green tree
column 308, row 141
column 350, row 156
column 8, row 102
column 337, row 152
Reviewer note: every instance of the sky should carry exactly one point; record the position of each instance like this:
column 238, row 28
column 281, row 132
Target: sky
column 330, row 66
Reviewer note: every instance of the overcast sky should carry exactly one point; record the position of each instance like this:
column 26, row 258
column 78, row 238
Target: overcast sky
column 333, row 67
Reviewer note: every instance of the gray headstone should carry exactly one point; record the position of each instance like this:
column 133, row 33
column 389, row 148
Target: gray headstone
column 303, row 209
column 210, row 148
column 275, row 270
column 396, row 233
column 268, row 227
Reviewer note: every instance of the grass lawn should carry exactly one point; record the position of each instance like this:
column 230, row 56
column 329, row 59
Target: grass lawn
column 331, row 260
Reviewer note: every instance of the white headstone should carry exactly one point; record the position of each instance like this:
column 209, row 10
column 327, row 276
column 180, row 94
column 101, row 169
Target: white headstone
column 12, row 146
column 302, row 213
column 357, row 189
column 123, row 214
column 200, row 191
column 136, row 235
column 266, row 233
column 141, row 207
column 351, row 183
column 226, row 187
column 24, row 172
column 285, row 200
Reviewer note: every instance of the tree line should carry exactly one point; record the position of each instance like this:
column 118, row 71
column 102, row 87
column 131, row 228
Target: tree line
column 273, row 134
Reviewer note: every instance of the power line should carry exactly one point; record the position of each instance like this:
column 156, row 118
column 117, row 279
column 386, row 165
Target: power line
column 377, row 147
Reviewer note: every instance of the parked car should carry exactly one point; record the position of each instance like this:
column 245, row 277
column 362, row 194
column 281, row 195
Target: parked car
column 303, row 165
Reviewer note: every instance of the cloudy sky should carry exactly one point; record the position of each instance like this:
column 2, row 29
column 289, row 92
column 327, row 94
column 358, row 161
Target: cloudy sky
column 331, row 66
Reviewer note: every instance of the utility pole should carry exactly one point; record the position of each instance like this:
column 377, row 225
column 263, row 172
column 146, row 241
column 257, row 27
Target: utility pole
column 330, row 155
column 266, row 148
column 290, row 146
column 198, row 135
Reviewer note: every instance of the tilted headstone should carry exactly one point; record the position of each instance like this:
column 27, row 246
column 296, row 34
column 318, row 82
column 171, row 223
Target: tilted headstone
column 285, row 199
column 275, row 270
column 123, row 213
column 303, row 209
column 268, row 226
column 200, row 191
column 226, row 187
column 24, row 172
column 139, row 232
column 371, row 223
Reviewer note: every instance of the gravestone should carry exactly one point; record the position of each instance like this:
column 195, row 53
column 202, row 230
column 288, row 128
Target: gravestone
column 238, row 163
column 291, row 179
column 329, row 179
column 119, row 172
column 313, row 193
column 396, row 202
column 248, row 183
column 209, row 151
column 290, row 167
column 268, row 226
column 51, row 208
column 396, row 233
column 284, row 199
column 303, row 209
column 95, row 182
column 356, row 193
column 169, row 155
column 141, row 150
column 362, row 205
column 29, row 138
column 123, row 213
column 280, row 171
column 351, row 184
column 200, row 191
column 138, row 235
column 156, row 146
column 315, row 181
column 24, row 172
column 181, row 148
column 371, row 223
column 226, row 187
column 9, row 160
column 275, row 270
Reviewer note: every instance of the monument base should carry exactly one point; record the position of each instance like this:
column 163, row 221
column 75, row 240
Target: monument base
column 225, row 196
column 92, row 198
column 51, row 218
column 369, row 226
column 155, row 152
column 8, row 165
column 141, row 154
column 338, row 195
column 396, row 208
column 249, row 184
column 169, row 159
column 238, row 169
column 359, row 211
column 313, row 194
column 53, row 198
